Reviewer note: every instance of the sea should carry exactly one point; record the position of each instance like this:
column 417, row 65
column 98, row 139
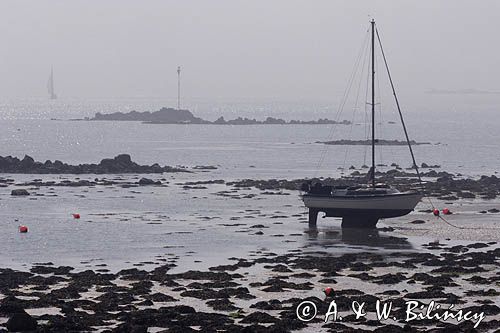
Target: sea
column 121, row 227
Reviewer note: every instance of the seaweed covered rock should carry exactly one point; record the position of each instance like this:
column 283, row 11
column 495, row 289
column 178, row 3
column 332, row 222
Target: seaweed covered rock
column 19, row 192
column 21, row 322
column 119, row 164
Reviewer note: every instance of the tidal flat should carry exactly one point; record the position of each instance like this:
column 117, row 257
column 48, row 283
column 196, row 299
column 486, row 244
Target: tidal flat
column 187, row 252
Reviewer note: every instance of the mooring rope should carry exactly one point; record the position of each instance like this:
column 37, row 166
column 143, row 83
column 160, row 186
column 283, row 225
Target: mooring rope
column 409, row 144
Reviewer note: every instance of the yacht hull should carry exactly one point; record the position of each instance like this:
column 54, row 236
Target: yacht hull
column 361, row 211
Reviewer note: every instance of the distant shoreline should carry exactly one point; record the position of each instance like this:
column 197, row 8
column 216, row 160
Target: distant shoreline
column 185, row 117
column 468, row 91
column 378, row 142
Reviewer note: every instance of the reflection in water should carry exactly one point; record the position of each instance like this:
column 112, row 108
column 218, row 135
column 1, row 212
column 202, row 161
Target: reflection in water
column 336, row 236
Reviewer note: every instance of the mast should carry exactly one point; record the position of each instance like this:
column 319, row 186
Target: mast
column 178, row 87
column 373, row 102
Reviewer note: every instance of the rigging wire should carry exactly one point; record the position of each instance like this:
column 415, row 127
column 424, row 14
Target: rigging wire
column 408, row 141
column 399, row 109
column 356, row 102
column 342, row 103
column 380, row 133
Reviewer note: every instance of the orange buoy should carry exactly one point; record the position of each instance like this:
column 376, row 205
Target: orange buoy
column 446, row 211
column 435, row 212
column 328, row 291
column 76, row 216
column 23, row 228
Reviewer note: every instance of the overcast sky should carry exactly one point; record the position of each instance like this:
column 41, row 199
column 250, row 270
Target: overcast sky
column 232, row 49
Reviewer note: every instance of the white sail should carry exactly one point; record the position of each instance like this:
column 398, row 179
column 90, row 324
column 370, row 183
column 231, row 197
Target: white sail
column 50, row 85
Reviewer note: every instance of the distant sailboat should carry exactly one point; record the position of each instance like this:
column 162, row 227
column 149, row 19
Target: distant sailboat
column 50, row 85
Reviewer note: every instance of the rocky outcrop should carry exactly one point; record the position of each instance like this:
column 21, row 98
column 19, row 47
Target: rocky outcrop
column 164, row 116
column 119, row 164
column 174, row 116
column 445, row 186
column 276, row 121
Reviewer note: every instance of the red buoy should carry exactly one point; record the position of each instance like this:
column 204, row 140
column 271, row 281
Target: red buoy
column 23, row 228
column 435, row 212
column 446, row 211
column 328, row 291
column 76, row 216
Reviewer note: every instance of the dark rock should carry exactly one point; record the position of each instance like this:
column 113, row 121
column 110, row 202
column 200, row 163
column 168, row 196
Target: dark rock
column 159, row 297
column 147, row 181
column 390, row 278
column 11, row 305
column 61, row 270
column 222, row 304
column 258, row 226
column 483, row 293
column 280, row 268
column 146, row 302
column 21, row 322
column 19, row 192
column 434, row 294
column 200, row 275
column 124, row 159
column 132, row 328
column 477, row 245
column 259, row 318
column 220, row 121
column 273, row 304
column 448, row 198
column 163, row 116
column 120, row 164
column 27, row 162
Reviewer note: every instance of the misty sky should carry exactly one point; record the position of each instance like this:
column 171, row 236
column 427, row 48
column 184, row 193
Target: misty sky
column 231, row 49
